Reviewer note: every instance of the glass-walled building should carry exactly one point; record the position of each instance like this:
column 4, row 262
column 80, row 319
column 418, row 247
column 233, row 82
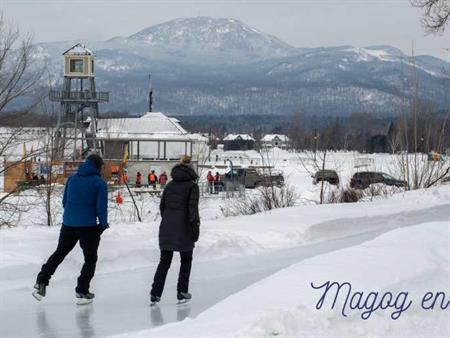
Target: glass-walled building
column 153, row 140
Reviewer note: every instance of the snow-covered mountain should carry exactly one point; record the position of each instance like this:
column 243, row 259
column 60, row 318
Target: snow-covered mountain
column 207, row 35
column 212, row 66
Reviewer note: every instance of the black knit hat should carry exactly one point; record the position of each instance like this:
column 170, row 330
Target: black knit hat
column 96, row 159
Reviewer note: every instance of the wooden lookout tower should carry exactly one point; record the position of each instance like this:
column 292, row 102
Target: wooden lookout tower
column 77, row 118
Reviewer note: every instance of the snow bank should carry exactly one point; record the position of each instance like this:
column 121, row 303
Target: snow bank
column 290, row 227
column 284, row 305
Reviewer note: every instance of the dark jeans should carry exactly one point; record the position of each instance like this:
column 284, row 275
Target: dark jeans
column 89, row 238
column 163, row 267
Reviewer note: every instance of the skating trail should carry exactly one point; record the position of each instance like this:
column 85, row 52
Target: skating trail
column 122, row 303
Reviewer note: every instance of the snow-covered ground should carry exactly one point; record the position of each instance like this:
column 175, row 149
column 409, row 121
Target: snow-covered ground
column 236, row 260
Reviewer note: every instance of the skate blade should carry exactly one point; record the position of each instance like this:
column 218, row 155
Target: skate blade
column 84, row 301
column 183, row 301
column 153, row 303
column 37, row 296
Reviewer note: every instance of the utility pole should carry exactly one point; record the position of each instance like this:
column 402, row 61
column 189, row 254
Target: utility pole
column 316, row 137
column 150, row 93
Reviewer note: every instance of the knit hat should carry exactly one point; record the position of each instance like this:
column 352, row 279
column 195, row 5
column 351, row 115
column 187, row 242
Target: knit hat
column 96, row 159
column 185, row 159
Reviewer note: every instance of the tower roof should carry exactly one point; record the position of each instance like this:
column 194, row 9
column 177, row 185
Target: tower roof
column 78, row 49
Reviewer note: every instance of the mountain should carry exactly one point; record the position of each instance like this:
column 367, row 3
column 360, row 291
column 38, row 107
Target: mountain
column 209, row 36
column 222, row 66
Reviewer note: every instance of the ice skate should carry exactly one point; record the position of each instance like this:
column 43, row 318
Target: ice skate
column 84, row 298
column 183, row 297
column 39, row 291
column 154, row 300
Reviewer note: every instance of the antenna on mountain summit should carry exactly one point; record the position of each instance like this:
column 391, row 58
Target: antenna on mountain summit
column 150, row 93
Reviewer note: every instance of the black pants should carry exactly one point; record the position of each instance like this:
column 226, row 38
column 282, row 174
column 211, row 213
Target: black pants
column 89, row 238
column 163, row 267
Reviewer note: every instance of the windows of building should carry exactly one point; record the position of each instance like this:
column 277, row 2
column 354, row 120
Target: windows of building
column 76, row 66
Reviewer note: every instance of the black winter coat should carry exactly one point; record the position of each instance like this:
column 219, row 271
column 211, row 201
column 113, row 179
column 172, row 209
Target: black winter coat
column 179, row 228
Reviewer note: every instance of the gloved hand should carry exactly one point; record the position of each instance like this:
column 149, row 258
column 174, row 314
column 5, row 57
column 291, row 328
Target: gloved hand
column 196, row 231
column 103, row 228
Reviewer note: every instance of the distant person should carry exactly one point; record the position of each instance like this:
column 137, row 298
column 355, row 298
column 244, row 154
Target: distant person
column 34, row 179
column 210, row 179
column 124, row 177
column 85, row 201
column 218, row 184
column 162, row 180
column 138, row 179
column 152, row 179
column 179, row 228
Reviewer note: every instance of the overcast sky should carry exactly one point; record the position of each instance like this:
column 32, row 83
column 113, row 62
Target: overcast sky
column 301, row 23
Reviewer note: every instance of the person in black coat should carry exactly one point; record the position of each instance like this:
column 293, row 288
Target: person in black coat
column 179, row 228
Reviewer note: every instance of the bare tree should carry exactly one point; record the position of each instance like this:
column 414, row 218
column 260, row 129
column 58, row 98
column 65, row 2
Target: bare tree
column 419, row 134
column 436, row 14
column 17, row 76
column 18, row 80
column 316, row 161
column 46, row 190
column 11, row 141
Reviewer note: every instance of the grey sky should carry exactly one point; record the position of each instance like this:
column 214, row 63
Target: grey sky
column 301, row 23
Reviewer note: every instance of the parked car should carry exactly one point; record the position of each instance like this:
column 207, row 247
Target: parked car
column 326, row 175
column 253, row 178
column 364, row 179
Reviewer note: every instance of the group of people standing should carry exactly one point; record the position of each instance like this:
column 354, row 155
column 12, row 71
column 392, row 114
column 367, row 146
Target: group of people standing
column 152, row 179
column 214, row 183
column 85, row 218
column 34, row 179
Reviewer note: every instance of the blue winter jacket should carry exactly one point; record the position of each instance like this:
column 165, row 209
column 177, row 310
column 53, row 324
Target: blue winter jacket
column 86, row 198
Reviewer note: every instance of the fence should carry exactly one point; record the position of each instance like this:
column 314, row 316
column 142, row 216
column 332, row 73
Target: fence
column 224, row 190
column 57, row 95
column 364, row 162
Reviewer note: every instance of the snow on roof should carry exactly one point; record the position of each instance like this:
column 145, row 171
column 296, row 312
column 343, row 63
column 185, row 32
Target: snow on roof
column 271, row 137
column 200, row 137
column 78, row 49
column 232, row 137
column 29, row 139
column 152, row 125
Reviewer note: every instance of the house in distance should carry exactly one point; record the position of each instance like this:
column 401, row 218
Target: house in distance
column 275, row 140
column 238, row 142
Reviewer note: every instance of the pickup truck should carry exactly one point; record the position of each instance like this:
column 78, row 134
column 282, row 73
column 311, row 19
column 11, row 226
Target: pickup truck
column 252, row 178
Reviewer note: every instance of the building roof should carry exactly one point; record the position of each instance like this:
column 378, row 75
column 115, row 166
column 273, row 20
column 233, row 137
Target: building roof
column 78, row 49
column 271, row 137
column 200, row 137
column 232, row 137
column 150, row 126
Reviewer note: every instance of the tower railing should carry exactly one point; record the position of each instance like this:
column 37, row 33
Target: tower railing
column 62, row 95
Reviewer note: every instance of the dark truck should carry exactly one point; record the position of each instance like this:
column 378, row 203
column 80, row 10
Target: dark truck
column 252, row 178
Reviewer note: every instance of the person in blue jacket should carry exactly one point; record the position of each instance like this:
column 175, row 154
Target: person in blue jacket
column 85, row 201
